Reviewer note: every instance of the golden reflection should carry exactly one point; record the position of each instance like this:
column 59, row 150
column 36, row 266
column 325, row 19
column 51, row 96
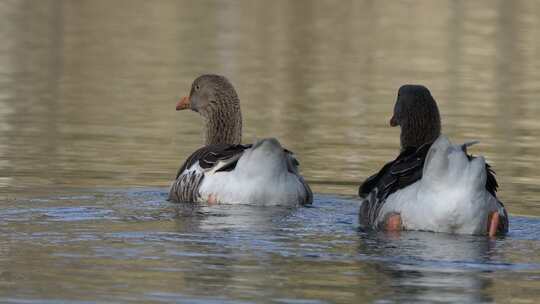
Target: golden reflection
column 90, row 86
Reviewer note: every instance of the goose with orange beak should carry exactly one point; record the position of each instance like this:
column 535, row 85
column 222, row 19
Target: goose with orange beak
column 224, row 170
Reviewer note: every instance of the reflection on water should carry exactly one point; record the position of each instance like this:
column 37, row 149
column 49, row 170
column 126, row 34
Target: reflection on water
column 134, row 246
column 87, row 96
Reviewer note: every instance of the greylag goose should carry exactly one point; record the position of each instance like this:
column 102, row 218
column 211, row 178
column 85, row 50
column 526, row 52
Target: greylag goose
column 432, row 185
column 224, row 170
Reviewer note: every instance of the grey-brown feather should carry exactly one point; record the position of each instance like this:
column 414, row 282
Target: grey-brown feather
column 222, row 114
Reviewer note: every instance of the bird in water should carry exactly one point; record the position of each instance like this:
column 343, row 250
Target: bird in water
column 226, row 171
column 433, row 185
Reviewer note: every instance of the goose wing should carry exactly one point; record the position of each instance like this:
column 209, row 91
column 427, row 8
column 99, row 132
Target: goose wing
column 405, row 170
column 293, row 167
column 211, row 158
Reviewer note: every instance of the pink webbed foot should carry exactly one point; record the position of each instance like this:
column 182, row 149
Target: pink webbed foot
column 393, row 223
column 493, row 223
column 212, row 199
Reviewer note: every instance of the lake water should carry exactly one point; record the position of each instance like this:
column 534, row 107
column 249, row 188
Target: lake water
column 90, row 139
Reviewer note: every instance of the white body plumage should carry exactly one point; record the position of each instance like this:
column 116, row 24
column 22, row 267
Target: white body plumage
column 450, row 197
column 265, row 174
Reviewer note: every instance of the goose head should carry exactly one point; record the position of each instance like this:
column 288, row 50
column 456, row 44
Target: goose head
column 215, row 99
column 417, row 114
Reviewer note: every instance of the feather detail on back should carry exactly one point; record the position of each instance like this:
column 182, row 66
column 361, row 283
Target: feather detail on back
column 214, row 158
column 209, row 156
column 405, row 170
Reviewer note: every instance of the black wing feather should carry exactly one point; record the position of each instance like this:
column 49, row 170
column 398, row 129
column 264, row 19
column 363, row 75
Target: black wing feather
column 209, row 156
column 405, row 170
column 491, row 182
column 491, row 187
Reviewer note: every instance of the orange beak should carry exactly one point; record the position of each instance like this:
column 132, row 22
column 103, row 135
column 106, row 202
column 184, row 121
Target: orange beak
column 183, row 104
column 393, row 121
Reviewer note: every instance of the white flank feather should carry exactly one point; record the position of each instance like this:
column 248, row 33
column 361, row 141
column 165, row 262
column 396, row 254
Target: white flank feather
column 261, row 177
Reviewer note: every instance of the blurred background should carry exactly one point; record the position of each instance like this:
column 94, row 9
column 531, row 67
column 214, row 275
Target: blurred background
column 90, row 140
column 88, row 88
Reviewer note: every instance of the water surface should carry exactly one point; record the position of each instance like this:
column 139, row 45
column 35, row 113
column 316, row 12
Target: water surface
column 89, row 141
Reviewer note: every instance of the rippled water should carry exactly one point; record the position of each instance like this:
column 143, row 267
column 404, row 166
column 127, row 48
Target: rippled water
column 89, row 141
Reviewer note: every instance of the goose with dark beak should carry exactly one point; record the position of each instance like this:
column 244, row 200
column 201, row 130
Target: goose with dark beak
column 432, row 185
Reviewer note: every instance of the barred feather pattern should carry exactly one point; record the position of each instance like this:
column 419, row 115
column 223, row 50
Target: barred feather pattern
column 369, row 210
column 186, row 187
column 190, row 176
